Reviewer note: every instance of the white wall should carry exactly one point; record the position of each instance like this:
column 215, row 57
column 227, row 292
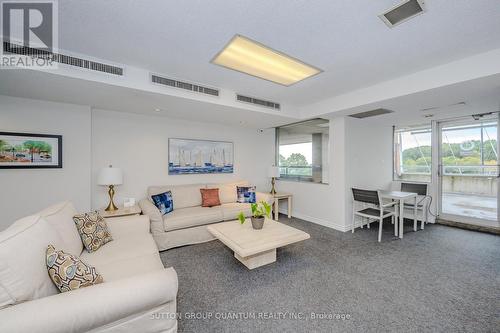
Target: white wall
column 360, row 155
column 139, row 145
column 368, row 158
column 369, row 154
column 323, row 203
column 26, row 191
column 93, row 139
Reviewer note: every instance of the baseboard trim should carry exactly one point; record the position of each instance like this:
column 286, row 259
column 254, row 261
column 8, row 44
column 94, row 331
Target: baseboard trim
column 316, row 220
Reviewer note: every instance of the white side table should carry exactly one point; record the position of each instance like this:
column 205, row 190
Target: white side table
column 282, row 195
column 122, row 211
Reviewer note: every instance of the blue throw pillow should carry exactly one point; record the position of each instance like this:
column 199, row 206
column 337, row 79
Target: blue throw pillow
column 164, row 202
column 246, row 194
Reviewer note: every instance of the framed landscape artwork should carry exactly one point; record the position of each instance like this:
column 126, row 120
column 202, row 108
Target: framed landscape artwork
column 186, row 156
column 23, row 150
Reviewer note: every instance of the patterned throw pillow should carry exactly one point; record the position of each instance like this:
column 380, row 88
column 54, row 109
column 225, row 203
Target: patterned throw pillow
column 93, row 230
column 246, row 194
column 69, row 272
column 164, row 202
column 209, row 197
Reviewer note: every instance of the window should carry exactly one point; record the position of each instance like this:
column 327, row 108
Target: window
column 469, row 150
column 302, row 151
column 413, row 154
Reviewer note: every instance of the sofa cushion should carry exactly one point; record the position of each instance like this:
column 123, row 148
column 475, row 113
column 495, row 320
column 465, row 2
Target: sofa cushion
column 192, row 216
column 93, row 230
column 230, row 211
column 163, row 202
column 68, row 272
column 125, row 257
column 183, row 195
column 246, row 194
column 209, row 197
column 227, row 191
column 60, row 216
column 127, row 247
column 128, row 267
column 126, row 226
column 23, row 273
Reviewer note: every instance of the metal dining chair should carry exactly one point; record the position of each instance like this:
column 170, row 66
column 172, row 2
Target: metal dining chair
column 376, row 210
column 422, row 201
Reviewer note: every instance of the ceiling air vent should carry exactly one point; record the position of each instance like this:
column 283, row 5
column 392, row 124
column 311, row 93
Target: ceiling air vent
column 62, row 58
column 259, row 102
column 184, row 85
column 402, row 12
column 372, row 113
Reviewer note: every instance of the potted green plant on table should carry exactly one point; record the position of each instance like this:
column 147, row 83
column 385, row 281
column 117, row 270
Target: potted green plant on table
column 260, row 211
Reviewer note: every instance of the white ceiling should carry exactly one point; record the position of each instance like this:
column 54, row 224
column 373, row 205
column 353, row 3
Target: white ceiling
column 480, row 96
column 344, row 38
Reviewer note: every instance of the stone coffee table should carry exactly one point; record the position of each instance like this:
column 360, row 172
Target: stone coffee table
column 255, row 248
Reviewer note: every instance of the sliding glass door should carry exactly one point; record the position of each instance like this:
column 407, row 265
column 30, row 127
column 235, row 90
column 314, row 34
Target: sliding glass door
column 468, row 170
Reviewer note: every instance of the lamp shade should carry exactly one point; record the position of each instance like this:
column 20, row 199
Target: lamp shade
column 274, row 171
column 110, row 176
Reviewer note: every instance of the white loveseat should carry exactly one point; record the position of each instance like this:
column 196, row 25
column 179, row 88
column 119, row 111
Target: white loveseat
column 138, row 294
column 187, row 223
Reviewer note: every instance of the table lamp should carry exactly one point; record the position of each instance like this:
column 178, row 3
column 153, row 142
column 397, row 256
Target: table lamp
column 110, row 177
column 273, row 173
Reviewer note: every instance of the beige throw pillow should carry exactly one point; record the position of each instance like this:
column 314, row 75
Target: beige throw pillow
column 68, row 272
column 93, row 230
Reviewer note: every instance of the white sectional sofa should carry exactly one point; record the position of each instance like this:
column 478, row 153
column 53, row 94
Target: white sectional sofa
column 187, row 223
column 138, row 294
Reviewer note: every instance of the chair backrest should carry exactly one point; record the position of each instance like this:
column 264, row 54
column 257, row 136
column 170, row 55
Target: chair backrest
column 420, row 189
column 365, row 196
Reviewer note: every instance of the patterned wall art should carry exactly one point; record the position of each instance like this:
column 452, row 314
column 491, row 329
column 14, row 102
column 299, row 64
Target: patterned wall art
column 187, row 156
column 23, row 150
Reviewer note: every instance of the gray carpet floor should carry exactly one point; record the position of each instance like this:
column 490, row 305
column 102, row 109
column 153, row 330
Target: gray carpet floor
column 441, row 279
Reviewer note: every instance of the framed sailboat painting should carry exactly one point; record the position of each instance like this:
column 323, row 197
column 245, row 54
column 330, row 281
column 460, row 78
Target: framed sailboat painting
column 188, row 156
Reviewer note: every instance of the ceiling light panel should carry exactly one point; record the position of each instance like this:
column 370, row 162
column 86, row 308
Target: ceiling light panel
column 247, row 56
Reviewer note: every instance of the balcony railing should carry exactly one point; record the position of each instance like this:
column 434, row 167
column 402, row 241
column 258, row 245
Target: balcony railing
column 454, row 170
column 296, row 171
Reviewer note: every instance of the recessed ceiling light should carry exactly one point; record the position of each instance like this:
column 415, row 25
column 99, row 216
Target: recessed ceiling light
column 247, row 56
column 157, row 110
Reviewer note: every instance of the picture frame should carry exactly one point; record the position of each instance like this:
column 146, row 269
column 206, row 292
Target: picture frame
column 194, row 156
column 30, row 151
